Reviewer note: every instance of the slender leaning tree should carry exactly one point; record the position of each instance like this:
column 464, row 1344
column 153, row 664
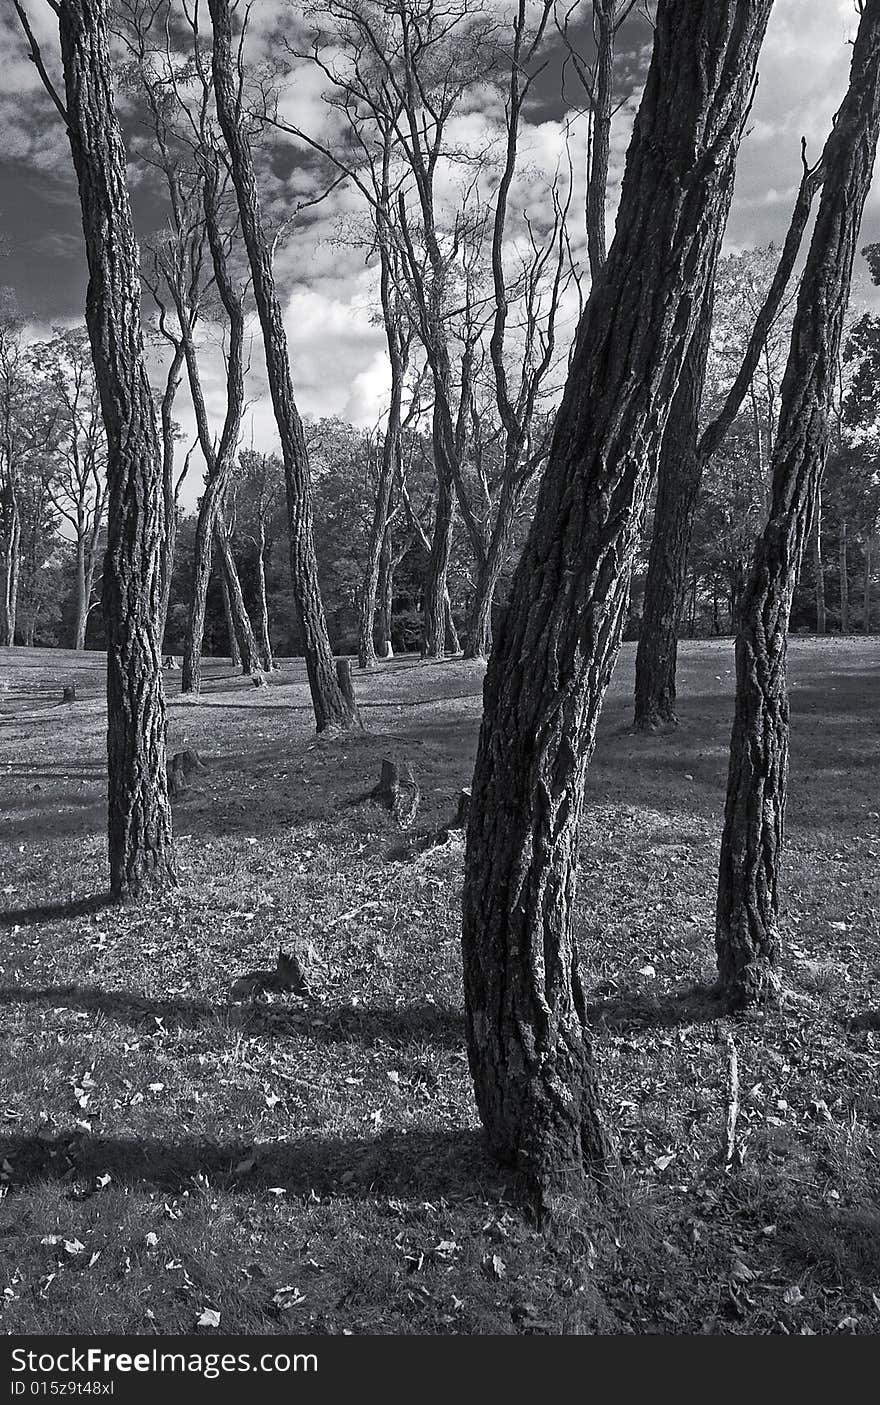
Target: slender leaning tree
column 528, row 1042
column 330, row 706
column 139, row 820
column 747, row 928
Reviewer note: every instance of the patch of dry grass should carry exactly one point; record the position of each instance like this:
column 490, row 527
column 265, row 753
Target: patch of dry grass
column 164, row 1150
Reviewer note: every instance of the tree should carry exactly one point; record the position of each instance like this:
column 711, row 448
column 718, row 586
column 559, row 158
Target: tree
column 747, row 927
column 528, row 1043
column 262, row 478
column 76, row 462
column 330, row 706
column 685, row 454
column 139, row 812
column 12, row 394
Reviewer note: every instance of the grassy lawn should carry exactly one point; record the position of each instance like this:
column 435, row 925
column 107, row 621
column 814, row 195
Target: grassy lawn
column 315, row 1165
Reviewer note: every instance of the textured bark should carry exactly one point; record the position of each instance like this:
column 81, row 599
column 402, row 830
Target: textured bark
column 139, row 821
column 683, row 461
column 844, row 579
column 329, row 705
column 528, row 1043
column 679, row 475
column 747, row 926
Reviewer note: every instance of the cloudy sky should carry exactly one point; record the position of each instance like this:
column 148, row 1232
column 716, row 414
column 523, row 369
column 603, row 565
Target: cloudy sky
column 328, row 291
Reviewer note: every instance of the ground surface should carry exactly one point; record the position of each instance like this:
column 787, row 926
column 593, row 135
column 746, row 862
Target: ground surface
column 315, row 1165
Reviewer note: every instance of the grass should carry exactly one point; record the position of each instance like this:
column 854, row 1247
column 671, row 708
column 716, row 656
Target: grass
column 316, row 1165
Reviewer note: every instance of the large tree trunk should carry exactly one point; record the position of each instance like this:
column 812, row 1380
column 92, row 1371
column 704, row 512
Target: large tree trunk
column 528, row 1043
column 818, row 566
column 747, row 929
column 844, row 580
column 139, row 827
column 679, row 475
column 331, row 708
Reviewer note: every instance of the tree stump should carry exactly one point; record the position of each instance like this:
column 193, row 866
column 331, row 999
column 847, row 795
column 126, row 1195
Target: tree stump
column 460, row 818
column 170, row 661
column 68, row 693
column 182, row 765
column 346, row 687
column 398, row 791
column 188, row 761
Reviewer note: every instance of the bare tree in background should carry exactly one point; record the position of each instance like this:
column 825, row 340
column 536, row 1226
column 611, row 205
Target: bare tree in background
column 330, row 706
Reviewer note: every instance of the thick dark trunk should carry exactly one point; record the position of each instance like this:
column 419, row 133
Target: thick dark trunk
column 139, row 822
column 747, row 926
column 866, row 596
column 679, row 474
column 844, row 579
column 529, row 1045
column 331, row 708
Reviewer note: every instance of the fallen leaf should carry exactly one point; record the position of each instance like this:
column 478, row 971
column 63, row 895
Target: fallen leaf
column 210, row 1318
column 288, row 1296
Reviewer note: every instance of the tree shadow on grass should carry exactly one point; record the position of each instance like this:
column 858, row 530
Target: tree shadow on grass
column 342, row 1024
column 633, row 1009
column 398, row 1027
column 452, row 1164
column 54, row 912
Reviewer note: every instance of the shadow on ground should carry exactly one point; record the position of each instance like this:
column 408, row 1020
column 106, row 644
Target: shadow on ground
column 431, row 1164
column 342, row 1024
